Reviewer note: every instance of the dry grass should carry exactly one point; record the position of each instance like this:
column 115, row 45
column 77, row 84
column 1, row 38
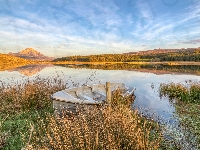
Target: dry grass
column 31, row 125
column 28, row 94
column 99, row 128
column 3, row 138
column 110, row 127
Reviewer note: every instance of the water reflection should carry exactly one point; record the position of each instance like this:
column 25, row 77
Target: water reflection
column 147, row 99
column 30, row 70
column 146, row 81
column 156, row 69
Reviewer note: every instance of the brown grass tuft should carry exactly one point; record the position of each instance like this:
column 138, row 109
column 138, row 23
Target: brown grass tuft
column 28, row 94
column 109, row 127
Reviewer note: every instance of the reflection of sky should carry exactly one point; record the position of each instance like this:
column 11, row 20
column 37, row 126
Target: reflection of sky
column 146, row 97
column 11, row 77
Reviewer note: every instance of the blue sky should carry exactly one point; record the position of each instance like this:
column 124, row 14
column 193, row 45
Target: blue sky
column 81, row 27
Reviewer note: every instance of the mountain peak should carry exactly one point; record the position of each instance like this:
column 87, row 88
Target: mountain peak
column 30, row 53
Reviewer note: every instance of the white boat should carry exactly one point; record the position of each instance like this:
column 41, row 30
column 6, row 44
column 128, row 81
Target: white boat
column 89, row 95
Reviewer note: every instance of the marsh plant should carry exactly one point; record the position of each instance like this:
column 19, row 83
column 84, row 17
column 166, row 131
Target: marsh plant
column 3, row 136
column 29, row 122
column 97, row 128
column 187, row 105
column 28, row 94
column 190, row 92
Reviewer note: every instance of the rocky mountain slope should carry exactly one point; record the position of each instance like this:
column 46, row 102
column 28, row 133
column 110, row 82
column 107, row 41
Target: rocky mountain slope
column 30, row 53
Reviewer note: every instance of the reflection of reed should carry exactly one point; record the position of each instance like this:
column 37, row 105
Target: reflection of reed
column 156, row 69
column 30, row 70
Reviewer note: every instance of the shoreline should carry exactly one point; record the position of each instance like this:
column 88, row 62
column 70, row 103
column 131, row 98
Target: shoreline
column 134, row 63
column 174, row 63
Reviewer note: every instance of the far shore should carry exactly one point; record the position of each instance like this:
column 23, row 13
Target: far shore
column 134, row 63
column 8, row 67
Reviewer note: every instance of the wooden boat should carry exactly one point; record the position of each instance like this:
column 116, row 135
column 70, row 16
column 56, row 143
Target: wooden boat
column 88, row 95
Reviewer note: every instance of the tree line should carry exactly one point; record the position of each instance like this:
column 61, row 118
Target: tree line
column 154, row 57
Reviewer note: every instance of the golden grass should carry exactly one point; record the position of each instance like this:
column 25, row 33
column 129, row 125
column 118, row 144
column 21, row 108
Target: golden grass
column 28, row 94
column 10, row 62
column 100, row 127
column 109, row 127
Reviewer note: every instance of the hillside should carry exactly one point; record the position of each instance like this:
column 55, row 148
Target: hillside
column 164, row 51
column 31, row 54
column 190, row 54
column 9, row 62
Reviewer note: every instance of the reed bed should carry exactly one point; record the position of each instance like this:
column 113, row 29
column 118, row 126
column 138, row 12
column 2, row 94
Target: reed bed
column 20, row 103
column 97, row 128
column 187, row 107
column 28, row 94
column 30, row 123
column 113, row 126
column 190, row 92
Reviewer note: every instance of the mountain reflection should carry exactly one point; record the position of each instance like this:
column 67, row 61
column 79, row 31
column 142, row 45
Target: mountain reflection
column 30, row 70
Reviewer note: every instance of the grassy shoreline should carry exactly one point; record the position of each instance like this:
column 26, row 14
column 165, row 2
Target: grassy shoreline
column 187, row 105
column 28, row 121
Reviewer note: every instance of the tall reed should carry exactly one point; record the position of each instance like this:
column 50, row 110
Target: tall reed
column 115, row 126
column 31, row 125
column 28, row 94
column 97, row 128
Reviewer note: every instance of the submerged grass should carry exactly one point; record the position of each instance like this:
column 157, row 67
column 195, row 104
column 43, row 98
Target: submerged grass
column 28, row 121
column 190, row 122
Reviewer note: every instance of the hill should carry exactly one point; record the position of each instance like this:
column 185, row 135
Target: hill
column 164, row 51
column 31, row 54
column 9, row 62
column 157, row 55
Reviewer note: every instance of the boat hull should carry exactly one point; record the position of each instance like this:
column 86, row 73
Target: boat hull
column 70, row 99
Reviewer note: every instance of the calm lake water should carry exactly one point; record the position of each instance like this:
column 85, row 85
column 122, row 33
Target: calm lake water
column 146, row 81
column 147, row 84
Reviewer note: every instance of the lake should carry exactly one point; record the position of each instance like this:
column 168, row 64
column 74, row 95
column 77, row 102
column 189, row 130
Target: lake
column 146, row 80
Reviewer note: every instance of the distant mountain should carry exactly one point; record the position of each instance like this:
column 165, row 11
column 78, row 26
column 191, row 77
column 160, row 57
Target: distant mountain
column 164, row 51
column 30, row 53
